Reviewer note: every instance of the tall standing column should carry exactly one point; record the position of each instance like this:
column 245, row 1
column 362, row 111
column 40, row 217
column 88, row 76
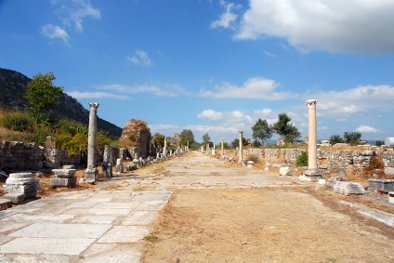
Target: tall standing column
column 241, row 154
column 165, row 146
column 222, row 147
column 214, row 149
column 312, row 171
column 91, row 174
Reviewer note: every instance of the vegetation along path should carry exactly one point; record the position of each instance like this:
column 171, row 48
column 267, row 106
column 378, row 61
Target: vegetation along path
column 193, row 208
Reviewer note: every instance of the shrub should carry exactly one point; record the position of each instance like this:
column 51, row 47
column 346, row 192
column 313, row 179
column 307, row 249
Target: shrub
column 18, row 121
column 302, row 160
column 254, row 158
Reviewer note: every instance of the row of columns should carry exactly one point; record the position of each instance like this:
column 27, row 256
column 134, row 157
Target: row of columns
column 91, row 174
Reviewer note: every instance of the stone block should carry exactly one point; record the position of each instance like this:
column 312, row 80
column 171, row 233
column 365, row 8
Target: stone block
column 391, row 197
column 382, row 185
column 64, row 173
column 5, row 203
column 348, row 188
column 67, row 182
column 15, row 198
column 250, row 164
column 331, row 182
column 284, row 171
column 91, row 176
column 69, row 166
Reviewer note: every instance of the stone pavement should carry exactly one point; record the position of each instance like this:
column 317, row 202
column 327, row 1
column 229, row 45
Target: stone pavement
column 85, row 226
column 104, row 225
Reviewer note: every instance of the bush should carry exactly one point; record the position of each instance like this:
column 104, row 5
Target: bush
column 18, row 121
column 302, row 160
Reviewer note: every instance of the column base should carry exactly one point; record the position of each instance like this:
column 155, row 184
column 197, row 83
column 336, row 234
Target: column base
column 91, row 175
column 311, row 176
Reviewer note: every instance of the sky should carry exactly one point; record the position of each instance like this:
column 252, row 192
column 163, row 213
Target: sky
column 213, row 66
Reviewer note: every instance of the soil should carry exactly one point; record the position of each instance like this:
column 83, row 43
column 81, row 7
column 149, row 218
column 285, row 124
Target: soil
column 264, row 225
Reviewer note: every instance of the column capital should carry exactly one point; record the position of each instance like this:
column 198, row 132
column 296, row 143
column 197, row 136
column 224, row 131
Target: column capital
column 311, row 103
column 241, row 132
column 93, row 105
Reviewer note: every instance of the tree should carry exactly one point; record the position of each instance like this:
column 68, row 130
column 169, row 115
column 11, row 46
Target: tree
column 261, row 130
column 235, row 142
column 187, row 136
column 352, row 137
column 284, row 128
column 42, row 94
column 158, row 140
column 206, row 138
column 336, row 138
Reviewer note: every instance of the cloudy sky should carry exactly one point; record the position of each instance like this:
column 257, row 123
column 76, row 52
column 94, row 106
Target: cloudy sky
column 212, row 65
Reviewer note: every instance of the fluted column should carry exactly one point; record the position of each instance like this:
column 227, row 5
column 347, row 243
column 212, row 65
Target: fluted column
column 91, row 171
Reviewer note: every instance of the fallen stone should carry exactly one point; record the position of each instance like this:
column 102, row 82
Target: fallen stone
column 3, row 175
column 250, row 164
column 15, row 198
column 386, row 218
column 69, row 166
column 348, row 188
column 64, row 173
column 391, row 197
column 382, row 185
column 284, row 171
column 66, row 182
column 331, row 182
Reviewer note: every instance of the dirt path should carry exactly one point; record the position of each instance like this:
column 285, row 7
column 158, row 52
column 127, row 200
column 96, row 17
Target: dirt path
column 236, row 214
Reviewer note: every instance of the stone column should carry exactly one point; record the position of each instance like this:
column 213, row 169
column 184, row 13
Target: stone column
column 91, row 174
column 165, row 146
column 187, row 146
column 214, row 149
column 222, row 148
column 241, row 155
column 312, row 171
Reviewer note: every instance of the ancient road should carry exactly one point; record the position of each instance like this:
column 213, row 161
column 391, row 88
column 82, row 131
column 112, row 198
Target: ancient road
column 190, row 209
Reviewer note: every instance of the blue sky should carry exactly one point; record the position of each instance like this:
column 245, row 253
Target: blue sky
column 213, row 66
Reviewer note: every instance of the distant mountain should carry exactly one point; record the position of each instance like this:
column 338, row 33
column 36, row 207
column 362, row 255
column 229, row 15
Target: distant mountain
column 12, row 97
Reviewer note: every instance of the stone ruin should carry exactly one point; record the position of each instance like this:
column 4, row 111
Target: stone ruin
column 136, row 137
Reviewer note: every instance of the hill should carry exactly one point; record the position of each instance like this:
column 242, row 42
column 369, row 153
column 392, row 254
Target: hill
column 12, row 97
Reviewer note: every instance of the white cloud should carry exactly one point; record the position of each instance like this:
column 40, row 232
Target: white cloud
column 162, row 90
column 227, row 18
column 358, row 100
column 334, row 25
column 53, row 32
column 253, row 88
column 140, row 58
column 73, row 13
column 96, row 95
column 269, row 54
column 367, row 129
column 210, row 115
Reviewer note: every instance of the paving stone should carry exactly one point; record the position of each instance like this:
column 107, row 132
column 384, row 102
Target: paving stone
column 140, row 218
column 117, row 255
column 62, row 230
column 99, row 211
column 11, row 226
column 131, row 205
column 97, row 248
column 38, row 218
column 4, row 239
column 50, row 246
column 386, row 218
column 152, row 205
column 36, row 258
column 94, row 220
column 124, row 234
column 86, row 204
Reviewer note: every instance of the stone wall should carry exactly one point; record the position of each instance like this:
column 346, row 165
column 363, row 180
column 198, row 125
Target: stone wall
column 19, row 156
column 347, row 159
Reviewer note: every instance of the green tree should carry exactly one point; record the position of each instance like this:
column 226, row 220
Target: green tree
column 235, row 142
column 379, row 143
column 158, row 140
column 42, row 94
column 261, row 130
column 206, row 138
column 187, row 136
column 336, row 138
column 352, row 137
column 284, row 128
